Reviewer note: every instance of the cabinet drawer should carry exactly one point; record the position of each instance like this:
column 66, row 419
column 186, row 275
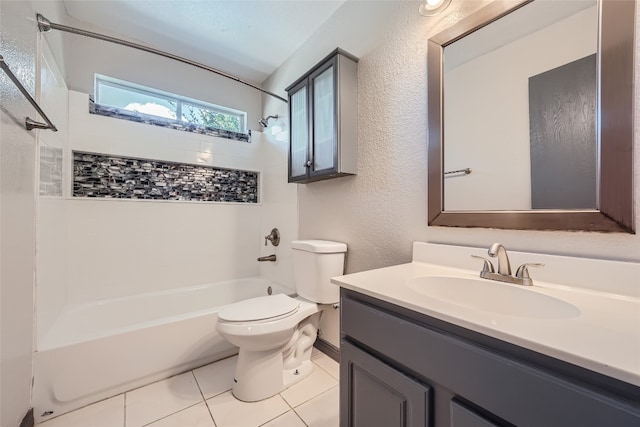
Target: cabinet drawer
column 519, row 393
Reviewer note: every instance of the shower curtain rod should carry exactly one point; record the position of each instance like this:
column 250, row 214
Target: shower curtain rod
column 44, row 25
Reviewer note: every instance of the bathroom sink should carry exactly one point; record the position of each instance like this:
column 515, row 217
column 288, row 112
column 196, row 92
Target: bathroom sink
column 491, row 296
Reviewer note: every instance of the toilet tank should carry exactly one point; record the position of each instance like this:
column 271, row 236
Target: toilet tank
column 315, row 262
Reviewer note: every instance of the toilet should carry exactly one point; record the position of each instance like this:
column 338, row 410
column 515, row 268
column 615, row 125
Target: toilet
column 275, row 333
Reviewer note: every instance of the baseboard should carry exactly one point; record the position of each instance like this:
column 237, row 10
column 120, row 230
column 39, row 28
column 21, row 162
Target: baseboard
column 28, row 420
column 328, row 349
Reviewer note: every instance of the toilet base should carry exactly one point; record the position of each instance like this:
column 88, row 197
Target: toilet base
column 260, row 376
column 292, row 376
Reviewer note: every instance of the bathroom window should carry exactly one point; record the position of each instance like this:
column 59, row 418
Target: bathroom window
column 130, row 101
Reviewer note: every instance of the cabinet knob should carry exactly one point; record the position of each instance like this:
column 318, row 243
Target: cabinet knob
column 308, row 164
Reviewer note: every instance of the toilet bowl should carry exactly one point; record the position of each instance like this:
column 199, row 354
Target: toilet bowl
column 275, row 334
column 273, row 344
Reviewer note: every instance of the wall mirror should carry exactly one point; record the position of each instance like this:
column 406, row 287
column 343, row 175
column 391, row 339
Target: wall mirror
column 531, row 117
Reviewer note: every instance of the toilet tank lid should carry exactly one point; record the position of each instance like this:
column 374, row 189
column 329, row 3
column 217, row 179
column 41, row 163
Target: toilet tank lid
column 319, row 246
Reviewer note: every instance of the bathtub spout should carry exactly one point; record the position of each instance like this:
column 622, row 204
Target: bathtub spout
column 271, row 258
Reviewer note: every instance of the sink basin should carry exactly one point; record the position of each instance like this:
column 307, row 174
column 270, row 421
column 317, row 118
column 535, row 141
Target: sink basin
column 492, row 296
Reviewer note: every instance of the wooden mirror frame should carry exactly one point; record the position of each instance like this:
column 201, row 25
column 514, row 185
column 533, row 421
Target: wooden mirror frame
column 615, row 211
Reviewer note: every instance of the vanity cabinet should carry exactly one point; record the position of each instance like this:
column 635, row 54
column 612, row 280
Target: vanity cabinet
column 402, row 368
column 323, row 109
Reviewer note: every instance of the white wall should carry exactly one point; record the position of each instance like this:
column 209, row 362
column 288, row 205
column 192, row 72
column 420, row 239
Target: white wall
column 52, row 220
column 382, row 210
column 91, row 249
column 279, row 207
column 83, row 57
column 495, row 89
column 17, row 213
column 123, row 247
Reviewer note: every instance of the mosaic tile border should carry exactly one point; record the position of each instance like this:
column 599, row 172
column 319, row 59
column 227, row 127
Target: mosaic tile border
column 108, row 176
column 119, row 113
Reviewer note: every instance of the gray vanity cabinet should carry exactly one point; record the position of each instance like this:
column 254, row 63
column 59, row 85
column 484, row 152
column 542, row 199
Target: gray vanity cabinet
column 402, row 368
column 381, row 395
column 323, row 108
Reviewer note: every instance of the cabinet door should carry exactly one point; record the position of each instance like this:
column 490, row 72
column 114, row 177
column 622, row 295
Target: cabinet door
column 299, row 120
column 325, row 140
column 374, row 394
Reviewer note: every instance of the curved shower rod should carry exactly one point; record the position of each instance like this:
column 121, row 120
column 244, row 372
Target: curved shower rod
column 44, row 25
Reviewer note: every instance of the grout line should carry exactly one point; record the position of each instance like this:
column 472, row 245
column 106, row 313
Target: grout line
column 316, row 397
column 173, row 413
column 198, row 384
column 326, row 370
column 203, row 398
column 277, row 416
column 300, row 417
column 124, row 416
column 183, row 409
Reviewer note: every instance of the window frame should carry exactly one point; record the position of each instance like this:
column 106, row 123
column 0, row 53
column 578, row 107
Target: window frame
column 179, row 100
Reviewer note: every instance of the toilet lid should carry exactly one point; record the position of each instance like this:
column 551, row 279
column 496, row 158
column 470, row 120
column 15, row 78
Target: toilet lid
column 261, row 308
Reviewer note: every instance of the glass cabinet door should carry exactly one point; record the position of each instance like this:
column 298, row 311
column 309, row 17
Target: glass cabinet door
column 299, row 133
column 324, row 119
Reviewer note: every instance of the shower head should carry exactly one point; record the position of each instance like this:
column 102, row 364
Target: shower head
column 265, row 122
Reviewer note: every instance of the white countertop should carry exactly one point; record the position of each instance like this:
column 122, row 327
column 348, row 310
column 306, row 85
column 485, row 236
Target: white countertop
column 604, row 337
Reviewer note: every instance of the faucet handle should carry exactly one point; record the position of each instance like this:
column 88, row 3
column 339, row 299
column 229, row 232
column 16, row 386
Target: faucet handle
column 523, row 272
column 273, row 237
column 487, row 267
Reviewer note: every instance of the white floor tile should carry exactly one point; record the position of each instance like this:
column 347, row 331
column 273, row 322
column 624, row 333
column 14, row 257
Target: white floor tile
column 228, row 411
column 107, row 413
column 195, row 416
column 217, row 377
column 157, row 400
column 322, row 411
column 318, row 382
column 315, row 352
column 290, row 419
column 328, row 364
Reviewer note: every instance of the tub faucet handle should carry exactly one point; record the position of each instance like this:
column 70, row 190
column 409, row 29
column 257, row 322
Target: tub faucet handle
column 273, row 237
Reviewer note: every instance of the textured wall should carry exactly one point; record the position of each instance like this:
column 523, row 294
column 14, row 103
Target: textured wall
column 379, row 212
column 17, row 212
column 382, row 210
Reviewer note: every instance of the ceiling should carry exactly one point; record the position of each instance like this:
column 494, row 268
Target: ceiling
column 247, row 38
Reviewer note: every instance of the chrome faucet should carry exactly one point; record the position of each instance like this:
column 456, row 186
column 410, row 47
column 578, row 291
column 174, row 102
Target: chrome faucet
column 504, row 268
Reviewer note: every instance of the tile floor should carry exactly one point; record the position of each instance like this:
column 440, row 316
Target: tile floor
column 202, row 398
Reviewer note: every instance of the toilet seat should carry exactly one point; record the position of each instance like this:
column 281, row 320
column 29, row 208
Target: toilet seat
column 259, row 309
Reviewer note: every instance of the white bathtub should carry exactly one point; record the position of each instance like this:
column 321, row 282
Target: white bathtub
column 100, row 349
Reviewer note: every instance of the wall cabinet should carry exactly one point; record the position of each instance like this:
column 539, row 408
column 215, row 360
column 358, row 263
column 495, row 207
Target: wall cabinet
column 323, row 109
column 402, row 368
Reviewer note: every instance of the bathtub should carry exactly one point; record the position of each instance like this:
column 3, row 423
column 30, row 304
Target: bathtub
column 103, row 348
